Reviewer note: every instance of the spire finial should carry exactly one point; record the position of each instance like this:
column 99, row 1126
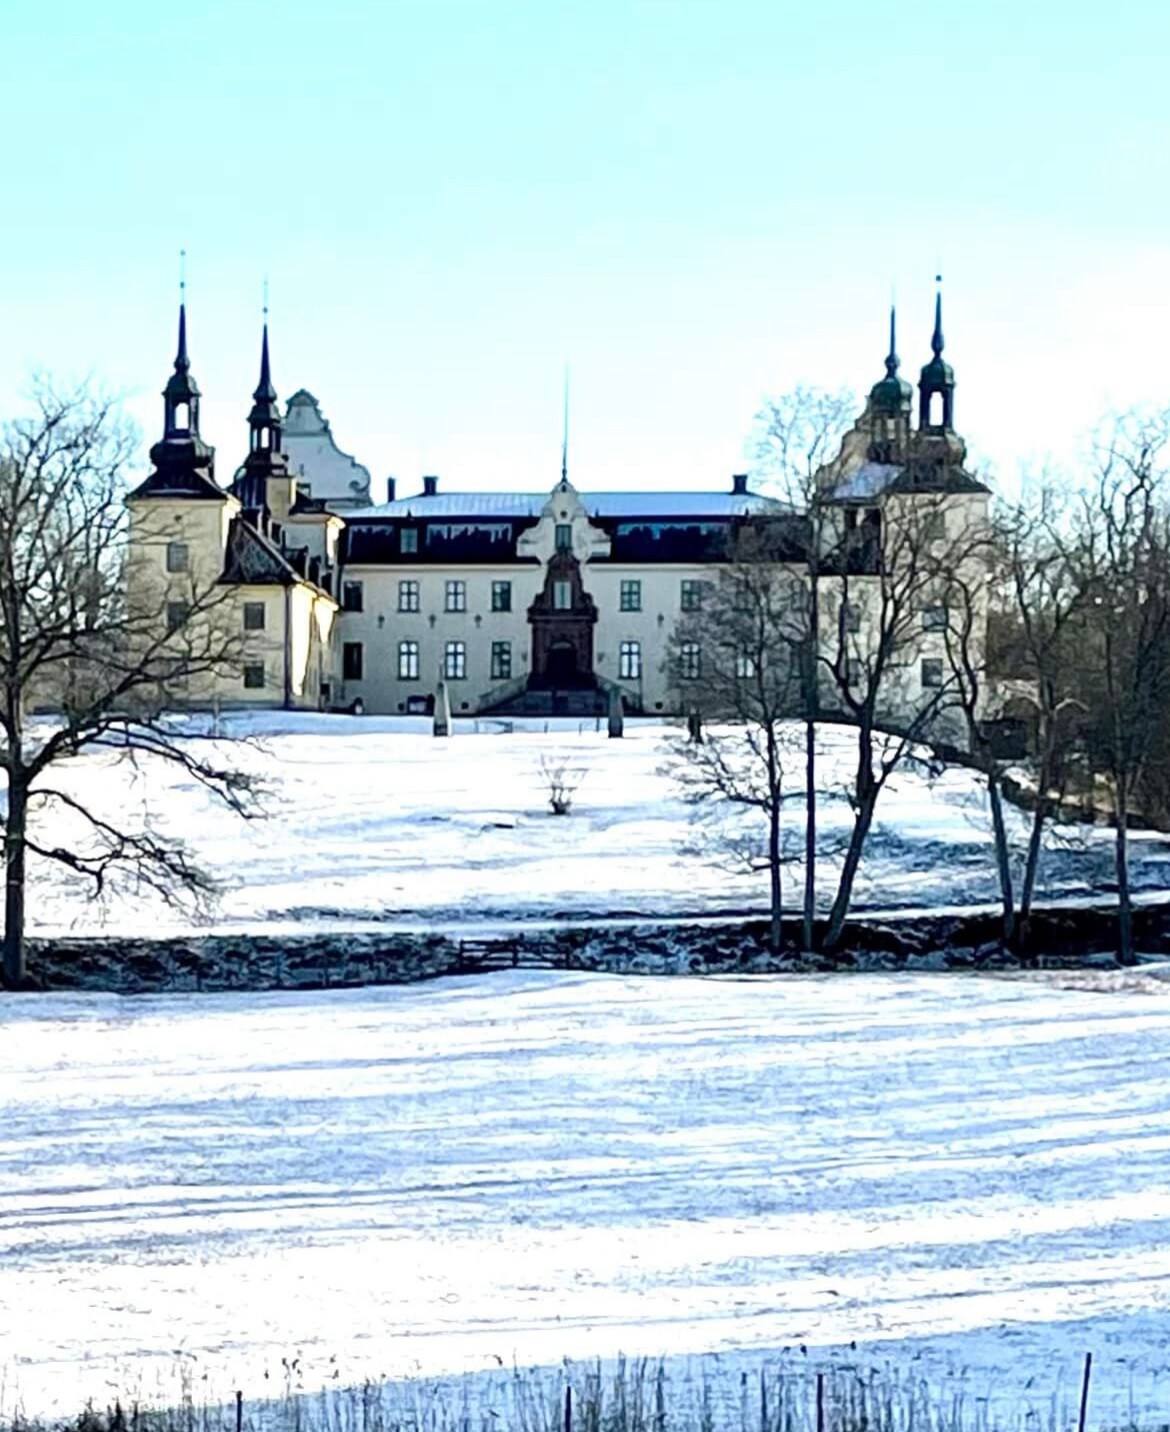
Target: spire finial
column 892, row 360
column 936, row 340
column 265, row 390
column 565, row 434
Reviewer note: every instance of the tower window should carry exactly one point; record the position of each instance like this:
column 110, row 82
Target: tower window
column 631, row 595
column 253, row 616
column 351, row 596
column 178, row 557
column 408, row 661
column 562, row 596
column 351, row 661
column 564, row 537
column 182, row 416
column 932, row 674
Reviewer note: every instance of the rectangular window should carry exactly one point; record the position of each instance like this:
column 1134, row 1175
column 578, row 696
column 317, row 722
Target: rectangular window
column 408, row 661
column 455, row 661
column 745, row 665
column 177, row 614
column 408, row 596
column 854, row 673
column 691, row 596
column 351, row 596
column 253, row 616
column 850, row 618
column 630, row 661
column 501, row 661
column 562, row 596
column 501, row 596
column 178, row 557
column 934, row 526
column 934, row 619
column 690, row 661
column 254, row 676
column 932, row 674
column 564, row 537
column 456, row 596
column 631, row 595
column 408, row 539
column 351, row 660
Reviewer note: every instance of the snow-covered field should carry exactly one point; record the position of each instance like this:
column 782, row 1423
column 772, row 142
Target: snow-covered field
column 970, row 1178
column 375, row 819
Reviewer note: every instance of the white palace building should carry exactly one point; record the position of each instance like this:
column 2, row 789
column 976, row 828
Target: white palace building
column 536, row 602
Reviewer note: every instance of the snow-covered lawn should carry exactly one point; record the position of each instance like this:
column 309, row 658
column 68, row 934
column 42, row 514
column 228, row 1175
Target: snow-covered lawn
column 374, row 819
column 969, row 1178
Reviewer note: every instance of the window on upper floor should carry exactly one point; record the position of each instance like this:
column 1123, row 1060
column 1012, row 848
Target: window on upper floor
column 351, row 661
column 630, row 596
column 745, row 665
column 253, row 616
column 501, row 596
column 408, row 595
column 351, row 596
column 935, row 619
column 456, row 596
column 690, row 595
column 850, row 617
column 177, row 614
column 178, row 557
column 932, row 674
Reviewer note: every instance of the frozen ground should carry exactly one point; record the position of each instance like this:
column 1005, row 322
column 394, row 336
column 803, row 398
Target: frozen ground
column 375, row 819
column 969, row 1178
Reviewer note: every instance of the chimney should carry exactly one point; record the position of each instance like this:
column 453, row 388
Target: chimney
column 739, row 484
column 430, row 486
column 390, row 486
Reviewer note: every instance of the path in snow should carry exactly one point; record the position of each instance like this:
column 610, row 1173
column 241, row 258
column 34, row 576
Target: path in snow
column 955, row 1173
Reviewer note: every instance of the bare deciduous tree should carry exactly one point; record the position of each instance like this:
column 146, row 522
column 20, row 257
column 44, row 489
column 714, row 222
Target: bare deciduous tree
column 736, row 660
column 73, row 645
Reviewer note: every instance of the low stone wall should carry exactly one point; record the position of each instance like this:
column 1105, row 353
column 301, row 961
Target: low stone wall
column 339, row 959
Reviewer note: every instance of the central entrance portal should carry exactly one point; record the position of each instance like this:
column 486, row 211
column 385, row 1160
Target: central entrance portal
column 562, row 619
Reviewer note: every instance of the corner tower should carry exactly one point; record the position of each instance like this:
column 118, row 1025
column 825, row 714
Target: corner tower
column 266, row 458
column 936, row 385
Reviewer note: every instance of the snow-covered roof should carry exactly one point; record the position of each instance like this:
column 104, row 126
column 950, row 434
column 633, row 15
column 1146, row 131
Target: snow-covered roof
column 869, row 480
column 616, row 505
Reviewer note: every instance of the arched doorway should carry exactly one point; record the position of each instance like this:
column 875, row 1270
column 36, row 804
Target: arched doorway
column 561, row 665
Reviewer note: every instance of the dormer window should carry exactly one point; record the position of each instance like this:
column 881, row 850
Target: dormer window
column 408, row 539
column 564, row 537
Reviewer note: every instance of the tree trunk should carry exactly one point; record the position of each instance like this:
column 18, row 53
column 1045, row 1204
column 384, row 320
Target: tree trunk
column 775, row 933
column 844, row 897
column 1121, row 852
column 808, row 927
column 14, row 850
column 1002, row 861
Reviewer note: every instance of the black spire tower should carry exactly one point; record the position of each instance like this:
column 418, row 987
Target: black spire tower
column 266, row 457
column 184, row 465
column 938, row 377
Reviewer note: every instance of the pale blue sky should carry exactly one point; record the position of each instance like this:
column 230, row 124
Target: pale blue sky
column 694, row 203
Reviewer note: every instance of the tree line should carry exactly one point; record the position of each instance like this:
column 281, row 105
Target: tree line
column 1031, row 636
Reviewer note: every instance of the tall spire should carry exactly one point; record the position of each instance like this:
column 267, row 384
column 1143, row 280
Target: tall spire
column 265, row 456
column 890, row 397
column 938, row 378
column 892, row 355
column 182, row 362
